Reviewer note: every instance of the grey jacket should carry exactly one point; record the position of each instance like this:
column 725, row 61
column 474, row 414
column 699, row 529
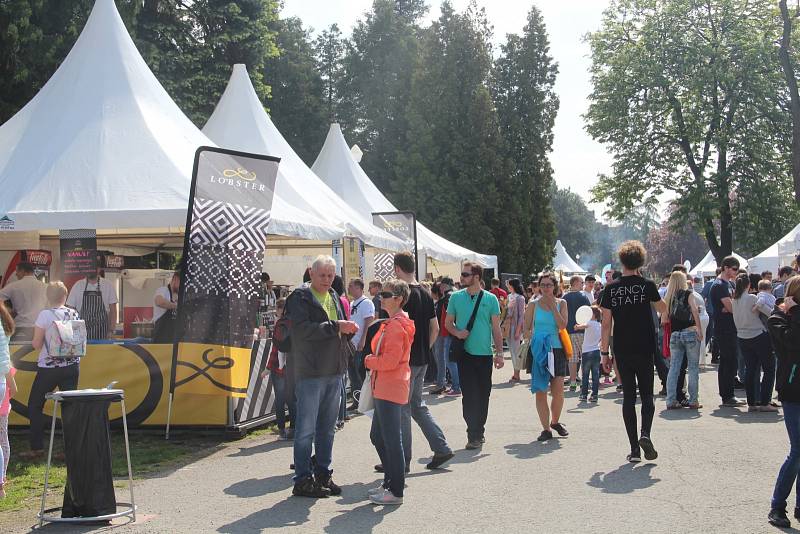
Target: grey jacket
column 316, row 344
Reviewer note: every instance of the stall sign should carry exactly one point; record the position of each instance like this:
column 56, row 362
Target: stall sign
column 78, row 252
column 114, row 262
column 402, row 224
column 39, row 258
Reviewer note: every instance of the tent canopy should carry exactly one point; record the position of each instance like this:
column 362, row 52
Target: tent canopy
column 337, row 168
column 563, row 262
column 708, row 265
column 239, row 122
column 782, row 252
column 102, row 145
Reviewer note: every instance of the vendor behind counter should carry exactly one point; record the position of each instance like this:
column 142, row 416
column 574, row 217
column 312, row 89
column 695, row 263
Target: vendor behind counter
column 95, row 299
column 27, row 298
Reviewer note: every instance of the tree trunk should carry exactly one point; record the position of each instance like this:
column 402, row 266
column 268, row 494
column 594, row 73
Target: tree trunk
column 788, row 72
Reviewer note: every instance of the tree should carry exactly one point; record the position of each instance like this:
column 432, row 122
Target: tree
column 685, row 97
column 297, row 103
column 787, row 65
column 671, row 243
column 330, row 51
column 576, row 225
column 375, row 84
column 523, row 82
column 453, row 169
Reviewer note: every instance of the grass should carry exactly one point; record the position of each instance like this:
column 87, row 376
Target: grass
column 150, row 453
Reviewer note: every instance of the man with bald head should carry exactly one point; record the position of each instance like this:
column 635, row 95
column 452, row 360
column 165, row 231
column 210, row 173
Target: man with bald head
column 318, row 323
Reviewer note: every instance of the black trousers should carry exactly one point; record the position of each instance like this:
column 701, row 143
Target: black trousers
column 728, row 363
column 475, row 373
column 636, row 370
column 47, row 379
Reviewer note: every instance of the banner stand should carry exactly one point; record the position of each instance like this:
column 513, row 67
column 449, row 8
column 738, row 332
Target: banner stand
column 402, row 224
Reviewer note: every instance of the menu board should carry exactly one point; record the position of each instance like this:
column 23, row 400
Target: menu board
column 78, row 252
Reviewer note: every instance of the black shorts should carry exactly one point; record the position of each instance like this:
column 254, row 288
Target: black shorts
column 560, row 367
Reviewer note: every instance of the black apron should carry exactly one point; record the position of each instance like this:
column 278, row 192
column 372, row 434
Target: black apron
column 94, row 313
column 164, row 327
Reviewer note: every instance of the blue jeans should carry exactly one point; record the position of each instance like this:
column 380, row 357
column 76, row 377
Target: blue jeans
column 387, row 437
column 417, row 410
column 282, row 402
column 440, row 352
column 317, row 405
column 791, row 466
column 590, row 361
column 343, row 400
column 452, row 367
column 758, row 355
column 683, row 344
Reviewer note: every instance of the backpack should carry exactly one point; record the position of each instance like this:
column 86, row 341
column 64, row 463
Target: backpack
column 66, row 338
column 680, row 314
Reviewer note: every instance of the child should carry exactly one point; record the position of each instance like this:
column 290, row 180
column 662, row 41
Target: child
column 590, row 359
column 765, row 301
column 276, row 364
column 5, row 408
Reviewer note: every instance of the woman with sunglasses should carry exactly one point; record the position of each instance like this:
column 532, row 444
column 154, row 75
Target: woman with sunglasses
column 543, row 319
column 390, row 379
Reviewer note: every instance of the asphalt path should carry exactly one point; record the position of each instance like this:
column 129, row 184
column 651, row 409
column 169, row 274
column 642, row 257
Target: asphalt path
column 715, row 473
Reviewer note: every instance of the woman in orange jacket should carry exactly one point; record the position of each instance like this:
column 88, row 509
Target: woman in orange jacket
column 390, row 376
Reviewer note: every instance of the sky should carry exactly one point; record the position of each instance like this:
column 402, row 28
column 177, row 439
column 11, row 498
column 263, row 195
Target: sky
column 577, row 159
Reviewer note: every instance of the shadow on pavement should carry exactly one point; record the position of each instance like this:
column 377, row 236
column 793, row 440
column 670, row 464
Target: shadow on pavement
column 466, row 457
column 627, row 478
column 258, row 487
column 741, row 416
column 291, row 512
column 362, row 519
column 527, row 451
column 679, row 414
column 263, row 447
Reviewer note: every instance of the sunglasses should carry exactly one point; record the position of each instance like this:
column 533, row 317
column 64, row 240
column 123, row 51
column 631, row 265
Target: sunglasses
column 466, row 275
column 387, row 294
column 546, row 285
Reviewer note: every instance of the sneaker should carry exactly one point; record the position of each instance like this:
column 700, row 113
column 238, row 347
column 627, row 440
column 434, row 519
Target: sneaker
column 282, row 436
column 583, row 398
column 634, row 457
column 593, row 398
column 453, row 393
column 560, row 428
column 573, row 386
column 473, row 444
column 326, row 481
column 733, row 402
column 695, row 406
column 439, row 460
column 375, row 491
column 353, row 407
column 386, row 497
column 753, row 409
column 308, row 487
column 646, row 444
column 674, row 406
column 545, row 436
column 738, row 384
column 769, row 408
column 777, row 518
column 437, row 391
column 662, row 392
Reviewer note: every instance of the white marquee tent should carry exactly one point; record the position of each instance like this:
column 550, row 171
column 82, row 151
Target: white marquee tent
column 239, row 122
column 563, row 262
column 336, row 166
column 708, row 265
column 783, row 252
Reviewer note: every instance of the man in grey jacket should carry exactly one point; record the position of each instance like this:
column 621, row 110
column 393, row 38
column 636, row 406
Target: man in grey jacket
column 317, row 328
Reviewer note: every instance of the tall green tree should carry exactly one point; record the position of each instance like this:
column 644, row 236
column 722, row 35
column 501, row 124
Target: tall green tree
column 453, row 169
column 375, row 84
column 523, row 88
column 330, row 47
column 684, row 95
column 576, row 225
column 297, row 104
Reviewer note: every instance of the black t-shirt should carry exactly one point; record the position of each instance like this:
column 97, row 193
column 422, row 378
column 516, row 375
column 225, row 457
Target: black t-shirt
column 629, row 298
column 723, row 322
column 420, row 310
column 575, row 299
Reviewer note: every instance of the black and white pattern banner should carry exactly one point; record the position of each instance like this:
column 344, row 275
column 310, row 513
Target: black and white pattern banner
column 217, row 271
column 77, row 234
column 229, row 225
column 384, row 266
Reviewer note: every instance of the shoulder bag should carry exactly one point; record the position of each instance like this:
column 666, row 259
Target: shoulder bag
column 457, row 350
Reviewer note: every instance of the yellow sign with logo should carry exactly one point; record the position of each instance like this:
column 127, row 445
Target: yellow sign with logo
column 205, row 369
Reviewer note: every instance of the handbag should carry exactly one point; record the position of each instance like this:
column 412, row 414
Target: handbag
column 566, row 342
column 457, row 350
column 366, row 401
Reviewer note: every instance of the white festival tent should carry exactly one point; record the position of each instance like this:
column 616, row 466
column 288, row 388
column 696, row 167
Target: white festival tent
column 239, row 122
column 337, row 168
column 708, row 265
column 563, row 262
column 783, row 252
column 102, row 145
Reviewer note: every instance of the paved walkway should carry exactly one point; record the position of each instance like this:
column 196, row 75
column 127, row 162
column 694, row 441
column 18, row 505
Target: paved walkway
column 714, row 473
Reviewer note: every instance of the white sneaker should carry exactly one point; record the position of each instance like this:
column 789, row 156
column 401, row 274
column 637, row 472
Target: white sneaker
column 385, row 497
column 375, row 491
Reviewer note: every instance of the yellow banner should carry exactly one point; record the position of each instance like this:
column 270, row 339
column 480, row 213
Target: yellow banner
column 205, row 369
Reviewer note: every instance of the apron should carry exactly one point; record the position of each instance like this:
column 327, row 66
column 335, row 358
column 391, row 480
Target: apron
column 94, row 313
column 164, row 328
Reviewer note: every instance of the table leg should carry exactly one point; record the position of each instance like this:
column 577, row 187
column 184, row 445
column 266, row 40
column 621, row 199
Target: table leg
column 49, row 459
column 128, row 456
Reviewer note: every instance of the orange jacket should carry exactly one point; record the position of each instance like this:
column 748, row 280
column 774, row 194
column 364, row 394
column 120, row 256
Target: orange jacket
column 391, row 373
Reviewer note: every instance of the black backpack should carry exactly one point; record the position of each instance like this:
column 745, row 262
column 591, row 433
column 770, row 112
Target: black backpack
column 680, row 314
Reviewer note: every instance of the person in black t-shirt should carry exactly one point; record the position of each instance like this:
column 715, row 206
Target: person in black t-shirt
column 628, row 302
column 420, row 309
column 725, row 330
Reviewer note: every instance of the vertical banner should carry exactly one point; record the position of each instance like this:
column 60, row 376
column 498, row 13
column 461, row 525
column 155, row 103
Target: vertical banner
column 78, row 253
column 351, row 259
column 226, row 232
column 402, row 224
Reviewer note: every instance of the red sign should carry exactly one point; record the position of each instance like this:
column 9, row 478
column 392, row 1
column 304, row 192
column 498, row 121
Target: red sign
column 114, row 262
column 39, row 257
